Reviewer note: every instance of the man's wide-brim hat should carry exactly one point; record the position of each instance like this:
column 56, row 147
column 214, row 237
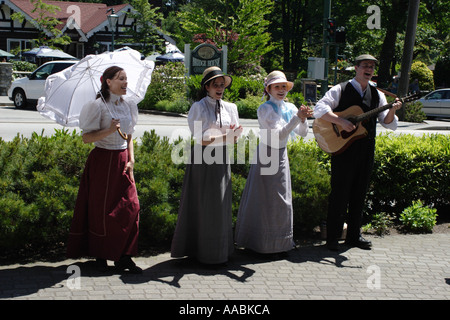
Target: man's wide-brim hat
column 365, row 57
column 277, row 77
column 213, row 73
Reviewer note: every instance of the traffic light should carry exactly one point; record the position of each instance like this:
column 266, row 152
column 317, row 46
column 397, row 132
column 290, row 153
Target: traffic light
column 340, row 35
column 331, row 28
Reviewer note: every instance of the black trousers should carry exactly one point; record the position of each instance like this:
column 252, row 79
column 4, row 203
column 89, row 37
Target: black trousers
column 350, row 177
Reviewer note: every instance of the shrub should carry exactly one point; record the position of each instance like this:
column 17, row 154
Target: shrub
column 420, row 71
column 380, row 224
column 408, row 168
column 248, row 107
column 243, row 87
column 158, row 182
column 417, row 218
column 296, row 98
column 180, row 105
column 310, row 185
column 39, row 179
column 167, row 84
column 414, row 113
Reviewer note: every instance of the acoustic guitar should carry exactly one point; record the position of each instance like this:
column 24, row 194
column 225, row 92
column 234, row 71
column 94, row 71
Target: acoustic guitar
column 331, row 138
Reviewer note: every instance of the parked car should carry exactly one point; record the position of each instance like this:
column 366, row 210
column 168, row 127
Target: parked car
column 437, row 103
column 26, row 91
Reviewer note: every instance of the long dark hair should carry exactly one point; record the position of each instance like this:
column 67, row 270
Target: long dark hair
column 109, row 73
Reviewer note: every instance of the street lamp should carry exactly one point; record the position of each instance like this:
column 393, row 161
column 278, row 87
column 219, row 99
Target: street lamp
column 112, row 20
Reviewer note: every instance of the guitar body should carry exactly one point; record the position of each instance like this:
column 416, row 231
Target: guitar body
column 331, row 138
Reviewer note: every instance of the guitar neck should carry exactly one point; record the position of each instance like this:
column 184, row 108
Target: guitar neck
column 376, row 111
column 372, row 113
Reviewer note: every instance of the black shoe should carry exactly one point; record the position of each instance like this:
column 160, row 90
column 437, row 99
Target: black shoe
column 101, row 265
column 125, row 263
column 333, row 245
column 359, row 243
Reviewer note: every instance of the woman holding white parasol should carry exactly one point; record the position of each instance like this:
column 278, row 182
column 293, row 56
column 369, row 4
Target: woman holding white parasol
column 105, row 224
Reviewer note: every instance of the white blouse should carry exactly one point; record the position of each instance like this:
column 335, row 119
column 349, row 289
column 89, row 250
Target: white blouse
column 96, row 115
column 275, row 130
column 205, row 123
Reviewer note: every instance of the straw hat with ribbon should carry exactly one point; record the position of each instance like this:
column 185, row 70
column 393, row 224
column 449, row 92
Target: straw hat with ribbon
column 215, row 72
column 276, row 77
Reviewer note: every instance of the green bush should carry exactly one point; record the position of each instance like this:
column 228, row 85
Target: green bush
column 242, row 87
column 417, row 218
column 310, row 185
column 420, row 71
column 414, row 113
column 180, row 105
column 158, row 182
column 380, row 224
column 39, row 180
column 168, row 92
column 167, row 84
column 23, row 66
column 408, row 168
column 248, row 107
column 245, row 92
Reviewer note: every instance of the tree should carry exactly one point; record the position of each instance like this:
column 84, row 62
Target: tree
column 144, row 31
column 46, row 23
column 297, row 23
column 241, row 25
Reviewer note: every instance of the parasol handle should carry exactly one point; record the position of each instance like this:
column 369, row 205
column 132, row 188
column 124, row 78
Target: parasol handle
column 123, row 135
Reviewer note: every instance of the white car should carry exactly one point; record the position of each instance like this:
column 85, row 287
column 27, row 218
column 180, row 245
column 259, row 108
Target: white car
column 26, row 91
column 437, row 103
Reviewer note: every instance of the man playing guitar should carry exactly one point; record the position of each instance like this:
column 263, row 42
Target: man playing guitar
column 351, row 168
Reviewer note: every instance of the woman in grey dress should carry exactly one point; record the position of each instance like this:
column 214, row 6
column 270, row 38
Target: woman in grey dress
column 204, row 226
column 264, row 223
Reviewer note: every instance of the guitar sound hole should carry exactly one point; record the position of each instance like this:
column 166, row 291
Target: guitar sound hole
column 346, row 134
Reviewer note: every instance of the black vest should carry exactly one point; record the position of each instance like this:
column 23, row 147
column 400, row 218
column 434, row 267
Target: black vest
column 370, row 100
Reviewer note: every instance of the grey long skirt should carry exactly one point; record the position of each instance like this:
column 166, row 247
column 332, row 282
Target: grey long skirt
column 265, row 218
column 204, row 226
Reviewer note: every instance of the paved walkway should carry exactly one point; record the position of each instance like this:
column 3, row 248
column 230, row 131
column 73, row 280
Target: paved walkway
column 398, row 267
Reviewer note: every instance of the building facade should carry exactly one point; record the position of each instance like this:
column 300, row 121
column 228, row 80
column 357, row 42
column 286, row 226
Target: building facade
column 85, row 23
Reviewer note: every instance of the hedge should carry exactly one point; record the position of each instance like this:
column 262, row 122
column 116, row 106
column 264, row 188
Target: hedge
column 39, row 178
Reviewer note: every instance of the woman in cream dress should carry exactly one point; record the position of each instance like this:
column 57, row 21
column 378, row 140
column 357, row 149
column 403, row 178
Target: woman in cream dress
column 264, row 223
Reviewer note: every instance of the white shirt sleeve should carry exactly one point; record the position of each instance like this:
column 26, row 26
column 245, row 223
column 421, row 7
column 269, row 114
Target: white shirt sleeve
column 393, row 125
column 198, row 122
column 134, row 111
column 302, row 128
column 328, row 103
column 233, row 114
column 90, row 117
column 275, row 130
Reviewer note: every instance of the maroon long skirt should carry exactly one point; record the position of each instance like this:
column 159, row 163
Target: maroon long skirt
column 106, row 216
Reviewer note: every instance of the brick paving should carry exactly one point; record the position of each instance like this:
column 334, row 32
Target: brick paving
column 399, row 267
